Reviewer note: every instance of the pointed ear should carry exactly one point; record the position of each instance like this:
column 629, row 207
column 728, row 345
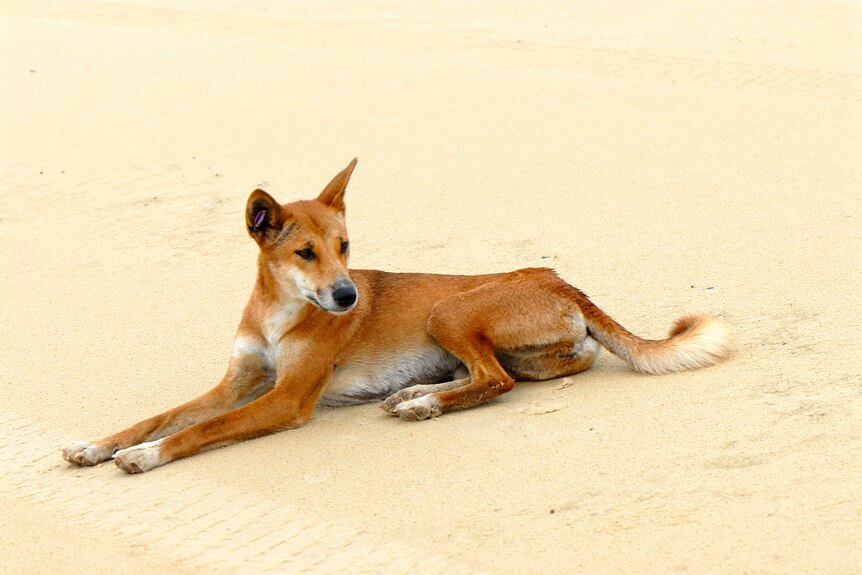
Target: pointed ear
column 333, row 194
column 264, row 217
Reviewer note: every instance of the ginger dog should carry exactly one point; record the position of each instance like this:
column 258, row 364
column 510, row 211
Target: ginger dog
column 315, row 332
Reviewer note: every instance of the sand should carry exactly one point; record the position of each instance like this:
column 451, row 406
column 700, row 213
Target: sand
column 664, row 157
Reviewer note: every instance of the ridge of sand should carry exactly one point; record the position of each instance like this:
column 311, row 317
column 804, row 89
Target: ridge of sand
column 186, row 520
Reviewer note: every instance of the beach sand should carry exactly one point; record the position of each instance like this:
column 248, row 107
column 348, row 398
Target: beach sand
column 664, row 157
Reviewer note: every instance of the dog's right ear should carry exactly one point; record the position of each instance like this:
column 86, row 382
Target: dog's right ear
column 264, row 217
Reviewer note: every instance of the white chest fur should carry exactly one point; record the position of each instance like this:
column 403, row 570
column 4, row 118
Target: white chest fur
column 274, row 327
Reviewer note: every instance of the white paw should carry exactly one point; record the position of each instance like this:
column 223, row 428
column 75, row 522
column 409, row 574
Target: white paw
column 84, row 453
column 393, row 401
column 418, row 409
column 139, row 458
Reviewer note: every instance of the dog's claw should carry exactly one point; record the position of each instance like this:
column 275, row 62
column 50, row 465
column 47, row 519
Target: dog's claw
column 418, row 409
column 127, row 467
column 392, row 402
column 413, row 414
column 139, row 458
column 84, row 453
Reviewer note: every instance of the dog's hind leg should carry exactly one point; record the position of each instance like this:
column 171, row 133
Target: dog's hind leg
column 526, row 315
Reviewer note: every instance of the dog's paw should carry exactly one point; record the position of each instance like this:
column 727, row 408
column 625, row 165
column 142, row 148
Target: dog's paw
column 139, row 458
column 84, row 453
column 393, row 401
column 418, row 409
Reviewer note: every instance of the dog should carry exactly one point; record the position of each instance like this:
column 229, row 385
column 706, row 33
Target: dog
column 314, row 332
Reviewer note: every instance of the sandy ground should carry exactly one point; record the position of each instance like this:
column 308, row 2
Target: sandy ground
column 665, row 157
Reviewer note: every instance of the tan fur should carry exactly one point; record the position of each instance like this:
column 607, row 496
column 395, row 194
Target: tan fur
column 313, row 331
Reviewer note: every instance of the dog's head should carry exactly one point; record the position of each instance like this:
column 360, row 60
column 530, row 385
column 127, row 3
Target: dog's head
column 304, row 244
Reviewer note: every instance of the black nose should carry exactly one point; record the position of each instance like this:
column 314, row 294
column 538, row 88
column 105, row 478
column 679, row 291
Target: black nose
column 344, row 295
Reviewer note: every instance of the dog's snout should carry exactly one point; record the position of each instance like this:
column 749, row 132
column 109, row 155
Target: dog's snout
column 344, row 295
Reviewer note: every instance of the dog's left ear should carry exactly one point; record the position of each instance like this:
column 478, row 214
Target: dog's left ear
column 264, row 217
column 333, row 194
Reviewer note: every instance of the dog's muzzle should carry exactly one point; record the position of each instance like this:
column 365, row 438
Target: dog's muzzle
column 339, row 298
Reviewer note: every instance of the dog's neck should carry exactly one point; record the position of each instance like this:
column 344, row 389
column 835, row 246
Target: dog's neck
column 274, row 297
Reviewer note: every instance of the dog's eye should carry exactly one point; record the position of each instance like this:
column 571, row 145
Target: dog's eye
column 344, row 247
column 305, row 254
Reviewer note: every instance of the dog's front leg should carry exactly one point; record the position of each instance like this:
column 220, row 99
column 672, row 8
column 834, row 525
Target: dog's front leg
column 249, row 374
column 289, row 405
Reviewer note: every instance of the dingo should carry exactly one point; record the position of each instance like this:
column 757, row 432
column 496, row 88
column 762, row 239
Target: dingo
column 426, row 344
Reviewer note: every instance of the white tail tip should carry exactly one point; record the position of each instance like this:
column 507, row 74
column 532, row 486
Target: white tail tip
column 695, row 341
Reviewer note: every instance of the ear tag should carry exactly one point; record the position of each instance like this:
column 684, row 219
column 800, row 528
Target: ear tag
column 258, row 219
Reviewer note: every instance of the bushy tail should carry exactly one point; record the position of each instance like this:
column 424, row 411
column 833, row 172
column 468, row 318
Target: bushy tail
column 695, row 341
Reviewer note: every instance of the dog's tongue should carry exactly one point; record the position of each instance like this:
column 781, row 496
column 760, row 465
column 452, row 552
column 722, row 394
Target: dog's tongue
column 259, row 218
